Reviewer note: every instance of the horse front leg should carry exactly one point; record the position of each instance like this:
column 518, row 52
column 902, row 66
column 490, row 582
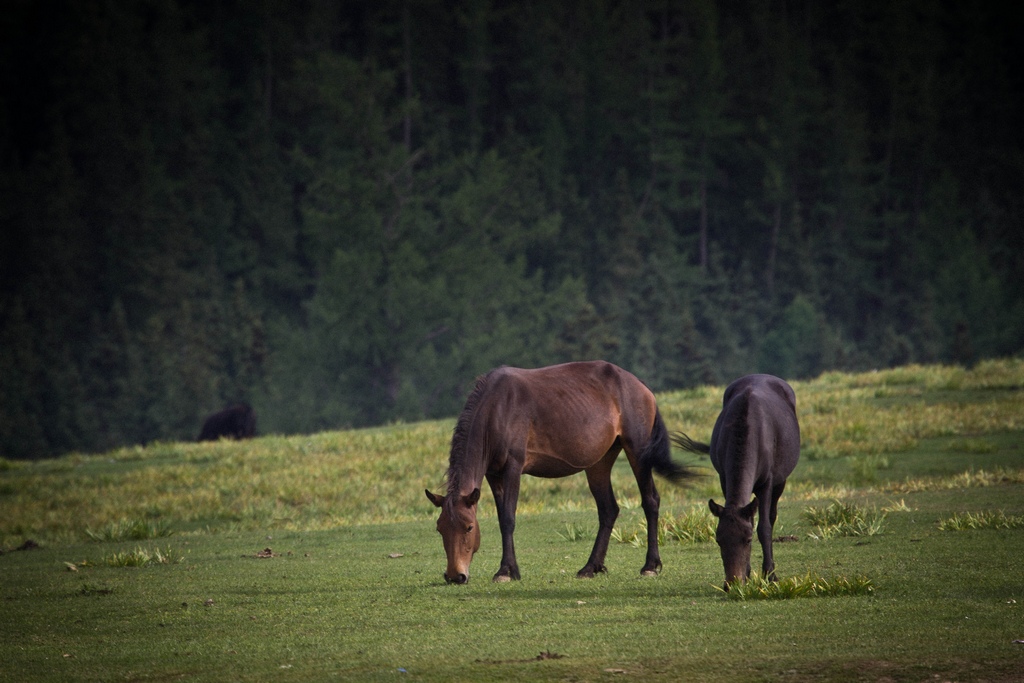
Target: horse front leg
column 767, row 514
column 505, row 487
column 599, row 479
column 765, row 524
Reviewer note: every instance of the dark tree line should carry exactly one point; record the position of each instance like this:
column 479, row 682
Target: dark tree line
column 341, row 212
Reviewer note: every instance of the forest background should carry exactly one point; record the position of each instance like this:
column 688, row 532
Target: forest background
column 343, row 211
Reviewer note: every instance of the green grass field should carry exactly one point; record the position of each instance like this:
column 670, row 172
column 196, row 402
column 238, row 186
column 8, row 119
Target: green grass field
column 152, row 562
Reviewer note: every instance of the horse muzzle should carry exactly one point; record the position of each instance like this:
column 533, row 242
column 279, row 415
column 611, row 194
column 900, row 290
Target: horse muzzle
column 458, row 579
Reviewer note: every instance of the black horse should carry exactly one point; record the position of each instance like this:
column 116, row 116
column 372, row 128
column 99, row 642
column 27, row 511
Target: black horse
column 754, row 447
column 234, row 422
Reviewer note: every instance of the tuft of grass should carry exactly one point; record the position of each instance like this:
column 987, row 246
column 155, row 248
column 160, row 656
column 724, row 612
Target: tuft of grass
column 575, row 532
column 981, row 520
column 130, row 530
column 810, row 585
column 140, row 557
column 965, row 480
column 697, row 525
column 636, row 537
column 901, row 506
column 843, row 519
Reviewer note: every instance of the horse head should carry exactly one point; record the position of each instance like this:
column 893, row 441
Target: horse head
column 734, row 535
column 459, row 531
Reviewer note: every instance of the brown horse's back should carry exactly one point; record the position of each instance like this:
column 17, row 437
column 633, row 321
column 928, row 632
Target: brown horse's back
column 563, row 419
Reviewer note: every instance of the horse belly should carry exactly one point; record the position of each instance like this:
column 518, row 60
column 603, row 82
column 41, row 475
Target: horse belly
column 565, row 451
column 549, row 466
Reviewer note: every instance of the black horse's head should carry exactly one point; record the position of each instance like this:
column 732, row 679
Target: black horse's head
column 735, row 534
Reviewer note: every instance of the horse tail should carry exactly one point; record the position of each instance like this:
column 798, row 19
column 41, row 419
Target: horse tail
column 683, row 442
column 657, row 455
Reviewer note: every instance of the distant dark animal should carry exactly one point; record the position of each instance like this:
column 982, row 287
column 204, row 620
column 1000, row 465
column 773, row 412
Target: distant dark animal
column 551, row 422
column 754, row 447
column 235, row 422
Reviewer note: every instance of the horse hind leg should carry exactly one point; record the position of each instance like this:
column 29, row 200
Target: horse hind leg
column 650, row 501
column 599, row 478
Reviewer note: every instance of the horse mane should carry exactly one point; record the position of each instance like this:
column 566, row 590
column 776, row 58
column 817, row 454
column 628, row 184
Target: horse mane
column 460, row 437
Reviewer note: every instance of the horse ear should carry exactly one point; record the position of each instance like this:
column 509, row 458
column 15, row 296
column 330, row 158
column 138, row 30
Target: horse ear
column 747, row 511
column 472, row 498
column 715, row 508
column 437, row 500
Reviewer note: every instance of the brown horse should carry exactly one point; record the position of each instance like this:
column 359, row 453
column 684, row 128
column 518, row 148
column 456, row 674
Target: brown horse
column 551, row 422
column 754, row 447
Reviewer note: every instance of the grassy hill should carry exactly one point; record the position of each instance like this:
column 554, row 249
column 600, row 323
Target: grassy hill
column 154, row 564
column 876, row 428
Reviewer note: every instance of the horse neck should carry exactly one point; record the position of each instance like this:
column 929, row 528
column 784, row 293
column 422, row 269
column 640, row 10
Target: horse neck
column 750, row 464
column 467, row 465
column 739, row 487
column 741, row 458
column 473, row 441
column 461, row 482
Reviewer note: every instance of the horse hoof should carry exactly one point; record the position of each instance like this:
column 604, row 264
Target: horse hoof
column 649, row 572
column 502, row 578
